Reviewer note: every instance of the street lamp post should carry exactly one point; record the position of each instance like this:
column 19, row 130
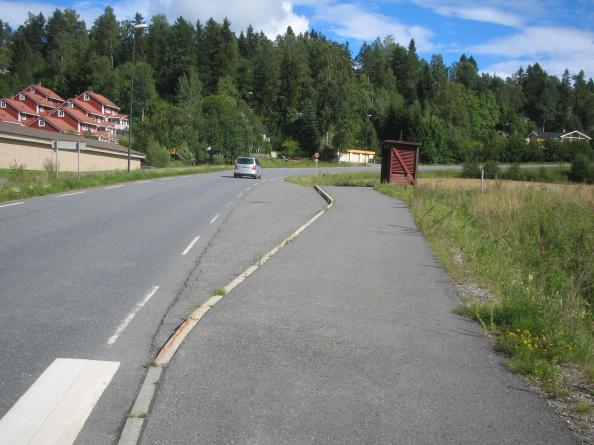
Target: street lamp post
column 367, row 132
column 136, row 26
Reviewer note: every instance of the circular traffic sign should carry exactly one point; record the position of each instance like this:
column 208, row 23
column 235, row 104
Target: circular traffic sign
column 316, row 155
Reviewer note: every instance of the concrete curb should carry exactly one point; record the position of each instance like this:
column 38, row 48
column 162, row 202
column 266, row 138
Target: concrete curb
column 134, row 425
column 329, row 199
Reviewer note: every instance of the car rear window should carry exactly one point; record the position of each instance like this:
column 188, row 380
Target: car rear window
column 245, row 160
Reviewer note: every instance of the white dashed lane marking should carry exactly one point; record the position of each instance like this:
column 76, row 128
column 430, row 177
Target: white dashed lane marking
column 124, row 324
column 214, row 219
column 194, row 241
column 114, row 186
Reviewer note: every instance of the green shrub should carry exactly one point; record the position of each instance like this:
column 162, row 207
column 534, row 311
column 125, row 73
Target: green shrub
column 491, row 169
column 185, row 155
column 17, row 173
column 515, row 172
column 471, row 169
column 156, row 154
column 582, row 169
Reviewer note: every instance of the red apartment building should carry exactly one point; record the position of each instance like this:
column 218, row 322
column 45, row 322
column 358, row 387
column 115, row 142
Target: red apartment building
column 90, row 113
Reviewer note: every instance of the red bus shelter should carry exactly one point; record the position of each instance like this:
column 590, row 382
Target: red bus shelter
column 399, row 162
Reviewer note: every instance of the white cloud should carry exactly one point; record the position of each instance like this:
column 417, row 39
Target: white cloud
column 15, row 13
column 476, row 11
column 350, row 21
column 270, row 16
column 555, row 48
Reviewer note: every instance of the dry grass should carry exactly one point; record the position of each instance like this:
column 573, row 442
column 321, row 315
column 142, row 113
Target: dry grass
column 574, row 192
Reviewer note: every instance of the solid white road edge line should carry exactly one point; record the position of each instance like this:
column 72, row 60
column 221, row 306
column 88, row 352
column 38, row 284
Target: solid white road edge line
column 55, row 408
column 124, row 324
column 13, row 204
column 194, row 241
column 114, row 186
column 214, row 219
column 69, row 194
column 133, row 426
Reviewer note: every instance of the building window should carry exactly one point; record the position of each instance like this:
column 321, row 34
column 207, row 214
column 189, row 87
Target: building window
column 41, row 123
column 41, row 109
column 70, row 104
column 24, row 117
column 60, row 113
column 86, row 96
column 2, row 104
column 33, row 90
column 21, row 96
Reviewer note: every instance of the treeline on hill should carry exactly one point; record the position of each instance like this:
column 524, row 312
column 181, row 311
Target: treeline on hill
column 200, row 86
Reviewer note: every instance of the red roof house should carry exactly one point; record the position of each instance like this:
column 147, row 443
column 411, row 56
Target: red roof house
column 9, row 112
column 67, row 119
column 99, row 102
column 50, row 123
column 44, row 93
column 24, row 111
column 38, row 104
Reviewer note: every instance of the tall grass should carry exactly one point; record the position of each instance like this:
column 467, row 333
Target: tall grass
column 535, row 250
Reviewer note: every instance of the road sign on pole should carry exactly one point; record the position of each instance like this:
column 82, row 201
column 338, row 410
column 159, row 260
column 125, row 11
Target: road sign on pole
column 316, row 155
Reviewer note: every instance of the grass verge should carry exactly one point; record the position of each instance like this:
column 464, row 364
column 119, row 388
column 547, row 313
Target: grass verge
column 535, row 250
column 29, row 185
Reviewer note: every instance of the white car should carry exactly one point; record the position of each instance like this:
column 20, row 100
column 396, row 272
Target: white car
column 245, row 166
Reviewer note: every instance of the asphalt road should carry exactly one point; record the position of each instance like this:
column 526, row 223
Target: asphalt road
column 74, row 267
column 347, row 335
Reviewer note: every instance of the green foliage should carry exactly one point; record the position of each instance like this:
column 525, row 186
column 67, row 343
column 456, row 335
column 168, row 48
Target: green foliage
column 303, row 87
column 535, row 250
column 156, row 154
column 582, row 169
column 514, row 172
column 491, row 169
column 184, row 154
column 471, row 169
column 290, row 147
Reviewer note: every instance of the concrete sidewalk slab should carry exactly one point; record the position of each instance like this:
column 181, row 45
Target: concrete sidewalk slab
column 347, row 335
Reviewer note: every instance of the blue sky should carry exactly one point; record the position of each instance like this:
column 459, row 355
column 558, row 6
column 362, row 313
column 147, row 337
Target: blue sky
column 502, row 36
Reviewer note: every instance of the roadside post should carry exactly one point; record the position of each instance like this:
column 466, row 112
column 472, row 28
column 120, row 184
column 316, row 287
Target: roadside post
column 482, row 179
column 316, row 160
column 76, row 146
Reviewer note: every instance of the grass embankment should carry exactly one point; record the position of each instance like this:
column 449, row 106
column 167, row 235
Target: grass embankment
column 25, row 184
column 533, row 247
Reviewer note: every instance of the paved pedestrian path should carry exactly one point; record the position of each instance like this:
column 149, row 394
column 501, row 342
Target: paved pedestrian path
column 347, row 335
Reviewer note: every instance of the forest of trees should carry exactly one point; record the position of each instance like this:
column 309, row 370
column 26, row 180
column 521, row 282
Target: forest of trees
column 202, row 87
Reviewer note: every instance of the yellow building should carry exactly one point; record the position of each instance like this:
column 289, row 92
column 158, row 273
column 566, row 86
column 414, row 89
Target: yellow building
column 357, row 156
